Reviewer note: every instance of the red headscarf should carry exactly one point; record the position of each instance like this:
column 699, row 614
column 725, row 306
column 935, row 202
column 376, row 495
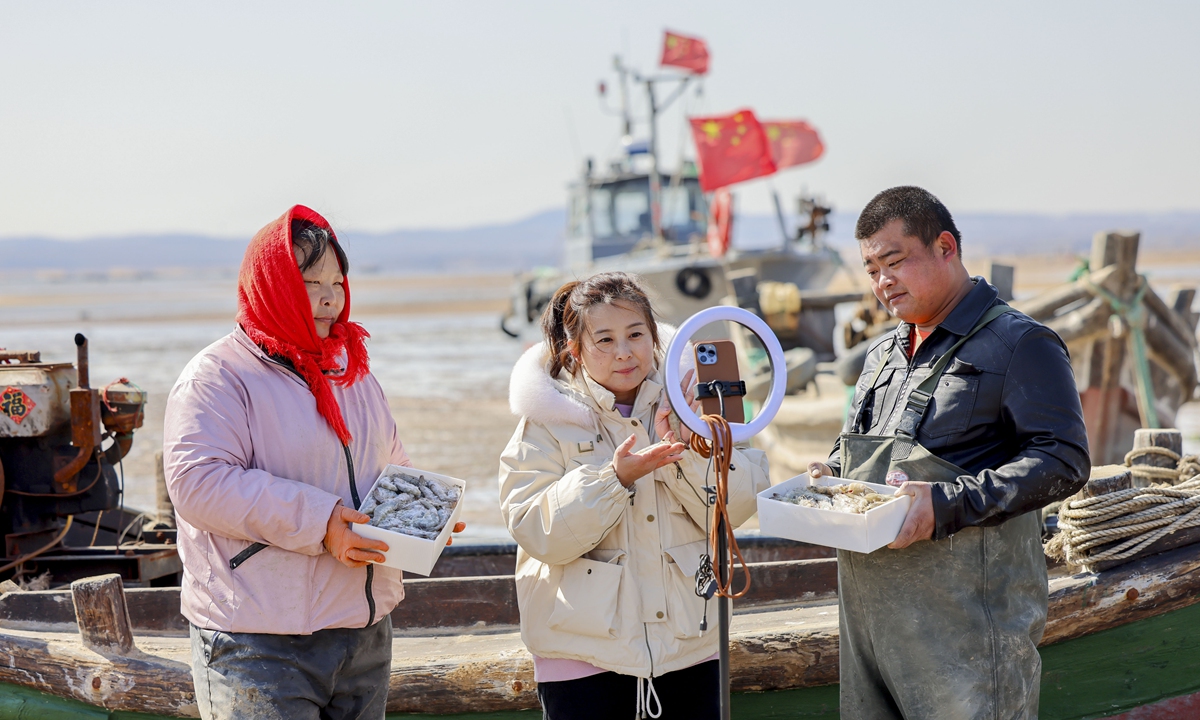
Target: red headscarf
column 274, row 310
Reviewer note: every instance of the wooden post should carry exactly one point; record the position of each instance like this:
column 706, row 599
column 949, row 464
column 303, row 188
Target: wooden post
column 1180, row 300
column 102, row 615
column 1104, row 397
column 1002, row 279
column 1105, row 479
column 1169, row 439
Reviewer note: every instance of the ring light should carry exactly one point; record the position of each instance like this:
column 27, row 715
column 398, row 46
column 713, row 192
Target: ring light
column 741, row 431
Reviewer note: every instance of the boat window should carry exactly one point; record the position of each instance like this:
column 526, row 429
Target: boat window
column 676, row 210
column 684, row 211
column 601, row 213
column 632, row 210
column 578, row 215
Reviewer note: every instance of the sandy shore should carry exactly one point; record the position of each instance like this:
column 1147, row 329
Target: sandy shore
column 464, row 437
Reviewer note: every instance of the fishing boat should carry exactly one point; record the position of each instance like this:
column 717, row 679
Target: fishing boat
column 1116, row 640
column 633, row 215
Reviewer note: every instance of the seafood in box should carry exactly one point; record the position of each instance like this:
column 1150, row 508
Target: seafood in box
column 853, row 497
column 833, row 512
column 413, row 511
column 411, row 503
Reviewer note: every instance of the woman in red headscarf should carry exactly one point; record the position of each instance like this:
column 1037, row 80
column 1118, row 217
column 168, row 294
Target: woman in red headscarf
column 273, row 435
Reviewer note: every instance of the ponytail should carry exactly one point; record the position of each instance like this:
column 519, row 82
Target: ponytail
column 554, row 328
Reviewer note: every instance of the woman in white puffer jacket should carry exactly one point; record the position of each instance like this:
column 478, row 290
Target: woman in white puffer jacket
column 606, row 506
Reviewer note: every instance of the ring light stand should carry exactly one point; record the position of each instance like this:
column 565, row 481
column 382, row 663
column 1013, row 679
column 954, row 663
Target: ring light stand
column 740, row 432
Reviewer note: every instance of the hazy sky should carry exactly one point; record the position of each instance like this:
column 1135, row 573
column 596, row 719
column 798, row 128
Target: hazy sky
column 119, row 117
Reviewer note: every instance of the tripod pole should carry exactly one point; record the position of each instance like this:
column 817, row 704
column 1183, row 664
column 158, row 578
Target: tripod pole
column 723, row 620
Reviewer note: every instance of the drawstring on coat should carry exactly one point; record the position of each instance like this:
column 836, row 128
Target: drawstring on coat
column 646, row 693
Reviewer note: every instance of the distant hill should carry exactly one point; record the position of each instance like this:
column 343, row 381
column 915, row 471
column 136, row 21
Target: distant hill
column 532, row 241
column 537, row 240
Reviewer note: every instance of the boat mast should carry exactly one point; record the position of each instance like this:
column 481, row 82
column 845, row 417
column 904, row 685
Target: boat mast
column 652, row 147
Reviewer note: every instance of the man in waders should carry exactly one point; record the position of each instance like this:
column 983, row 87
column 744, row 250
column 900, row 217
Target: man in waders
column 971, row 408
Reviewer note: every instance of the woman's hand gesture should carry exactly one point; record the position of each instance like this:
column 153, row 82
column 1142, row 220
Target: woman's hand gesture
column 348, row 547
column 632, row 465
column 662, row 418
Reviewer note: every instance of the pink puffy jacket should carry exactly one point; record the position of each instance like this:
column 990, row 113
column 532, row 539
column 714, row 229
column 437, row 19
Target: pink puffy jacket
column 249, row 460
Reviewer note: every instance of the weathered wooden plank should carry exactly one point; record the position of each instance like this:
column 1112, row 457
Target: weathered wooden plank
column 158, row 681
column 1172, row 318
column 1105, row 479
column 457, row 602
column 1082, row 324
column 102, row 616
column 1089, row 602
column 461, row 602
column 150, row 609
column 1168, row 350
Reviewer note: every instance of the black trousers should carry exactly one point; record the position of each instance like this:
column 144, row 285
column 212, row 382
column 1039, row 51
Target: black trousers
column 688, row 694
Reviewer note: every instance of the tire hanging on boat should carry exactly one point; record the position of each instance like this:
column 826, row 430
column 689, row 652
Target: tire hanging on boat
column 694, row 282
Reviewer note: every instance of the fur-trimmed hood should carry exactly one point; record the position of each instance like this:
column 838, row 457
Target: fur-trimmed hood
column 533, row 394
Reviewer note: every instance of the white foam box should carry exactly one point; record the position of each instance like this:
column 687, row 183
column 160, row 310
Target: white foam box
column 406, row 552
column 862, row 533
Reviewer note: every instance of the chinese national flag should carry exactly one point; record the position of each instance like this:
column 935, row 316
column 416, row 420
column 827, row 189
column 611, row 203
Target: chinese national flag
column 686, row 52
column 730, row 148
column 793, row 142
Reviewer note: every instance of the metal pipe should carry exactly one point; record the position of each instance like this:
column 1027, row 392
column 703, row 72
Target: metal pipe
column 779, row 216
column 71, row 469
column 81, row 360
column 84, row 415
column 723, row 621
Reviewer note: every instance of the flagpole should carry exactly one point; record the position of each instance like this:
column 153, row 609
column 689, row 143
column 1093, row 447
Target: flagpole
column 655, row 180
column 779, row 216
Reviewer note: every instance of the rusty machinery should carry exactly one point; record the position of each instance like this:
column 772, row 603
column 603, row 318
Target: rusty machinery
column 55, row 467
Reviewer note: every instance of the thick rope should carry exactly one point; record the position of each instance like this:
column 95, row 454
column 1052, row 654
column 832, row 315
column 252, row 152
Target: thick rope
column 1133, row 519
column 1186, row 466
column 720, row 449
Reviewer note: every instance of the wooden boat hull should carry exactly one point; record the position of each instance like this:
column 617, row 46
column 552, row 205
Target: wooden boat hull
column 1115, row 641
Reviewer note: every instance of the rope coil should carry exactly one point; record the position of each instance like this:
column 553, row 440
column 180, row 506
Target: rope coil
column 720, row 449
column 1126, row 522
column 1186, row 466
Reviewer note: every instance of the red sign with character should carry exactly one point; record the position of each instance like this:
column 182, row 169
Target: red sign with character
column 16, row 404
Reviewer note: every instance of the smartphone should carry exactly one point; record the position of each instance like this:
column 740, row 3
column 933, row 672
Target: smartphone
column 717, row 360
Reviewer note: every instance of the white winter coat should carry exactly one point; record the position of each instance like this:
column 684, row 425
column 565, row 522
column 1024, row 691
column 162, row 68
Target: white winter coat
column 603, row 575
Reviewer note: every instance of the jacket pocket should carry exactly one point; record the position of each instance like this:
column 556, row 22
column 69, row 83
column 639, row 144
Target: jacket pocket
column 874, row 398
column 953, row 401
column 272, row 593
column 250, row 551
column 684, row 608
column 586, row 601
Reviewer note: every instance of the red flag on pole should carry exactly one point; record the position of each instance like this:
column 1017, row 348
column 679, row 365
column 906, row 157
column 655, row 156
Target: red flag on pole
column 793, row 142
column 686, row 52
column 730, row 148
